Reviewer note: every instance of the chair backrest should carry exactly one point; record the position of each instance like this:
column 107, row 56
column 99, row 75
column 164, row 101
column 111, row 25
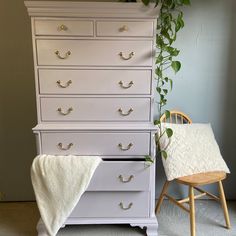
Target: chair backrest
column 176, row 117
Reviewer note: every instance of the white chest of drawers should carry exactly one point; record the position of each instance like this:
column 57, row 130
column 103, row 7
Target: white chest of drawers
column 94, row 81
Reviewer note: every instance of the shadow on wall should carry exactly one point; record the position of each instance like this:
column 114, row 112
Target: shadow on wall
column 229, row 115
column 17, row 102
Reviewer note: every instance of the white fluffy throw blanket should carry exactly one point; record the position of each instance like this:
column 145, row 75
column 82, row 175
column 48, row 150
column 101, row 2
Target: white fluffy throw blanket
column 59, row 182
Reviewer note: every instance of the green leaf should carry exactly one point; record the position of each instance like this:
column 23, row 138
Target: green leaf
column 167, row 114
column 146, row 2
column 166, row 79
column 165, row 91
column 158, row 72
column 157, row 122
column 171, row 83
column 180, row 20
column 186, row 2
column 165, row 34
column 176, row 65
column 169, row 132
column 168, row 3
column 159, row 59
column 164, row 154
column 158, row 89
column 148, row 158
column 174, row 52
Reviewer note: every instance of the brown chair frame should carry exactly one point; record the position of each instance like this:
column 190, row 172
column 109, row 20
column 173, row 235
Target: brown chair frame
column 193, row 181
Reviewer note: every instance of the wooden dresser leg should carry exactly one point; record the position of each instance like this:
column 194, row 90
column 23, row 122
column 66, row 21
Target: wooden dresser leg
column 161, row 198
column 224, row 204
column 192, row 210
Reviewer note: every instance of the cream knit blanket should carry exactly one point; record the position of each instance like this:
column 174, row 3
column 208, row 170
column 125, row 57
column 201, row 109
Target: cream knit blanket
column 59, row 182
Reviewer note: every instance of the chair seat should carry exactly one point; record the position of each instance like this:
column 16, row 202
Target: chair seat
column 202, row 178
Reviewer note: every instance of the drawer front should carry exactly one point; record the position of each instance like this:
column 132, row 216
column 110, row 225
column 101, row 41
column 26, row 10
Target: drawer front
column 97, row 144
column 64, row 27
column 95, row 81
column 124, row 28
column 95, row 109
column 120, row 176
column 112, row 204
column 94, row 53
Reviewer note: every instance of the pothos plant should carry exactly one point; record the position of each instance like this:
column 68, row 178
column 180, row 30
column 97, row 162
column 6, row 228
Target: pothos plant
column 169, row 23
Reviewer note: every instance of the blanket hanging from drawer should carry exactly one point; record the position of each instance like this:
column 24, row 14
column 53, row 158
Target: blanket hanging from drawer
column 59, row 182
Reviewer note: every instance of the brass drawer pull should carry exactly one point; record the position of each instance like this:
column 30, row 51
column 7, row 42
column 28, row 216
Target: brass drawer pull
column 125, row 208
column 125, row 149
column 65, row 113
column 60, row 146
column 124, row 28
column 125, row 180
column 128, row 57
column 62, row 28
column 67, row 84
column 121, row 83
column 67, row 54
column 125, row 114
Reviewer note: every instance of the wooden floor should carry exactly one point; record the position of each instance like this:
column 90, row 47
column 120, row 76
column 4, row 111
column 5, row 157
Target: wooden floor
column 19, row 219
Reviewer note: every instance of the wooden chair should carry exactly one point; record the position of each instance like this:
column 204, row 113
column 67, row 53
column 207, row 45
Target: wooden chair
column 193, row 181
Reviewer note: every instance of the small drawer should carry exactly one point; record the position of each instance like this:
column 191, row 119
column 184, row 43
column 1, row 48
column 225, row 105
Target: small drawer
column 120, row 176
column 95, row 144
column 94, row 52
column 112, row 204
column 95, row 82
column 124, row 28
column 63, row 27
column 95, row 109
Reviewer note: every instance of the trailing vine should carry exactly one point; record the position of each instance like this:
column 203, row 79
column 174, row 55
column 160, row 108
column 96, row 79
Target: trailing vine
column 169, row 23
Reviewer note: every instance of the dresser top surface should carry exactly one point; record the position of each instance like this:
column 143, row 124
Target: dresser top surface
column 92, row 9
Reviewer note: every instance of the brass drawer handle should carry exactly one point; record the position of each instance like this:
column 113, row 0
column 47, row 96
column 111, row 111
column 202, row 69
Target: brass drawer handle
column 125, row 149
column 121, row 83
column 67, row 84
column 125, row 180
column 124, row 28
column 125, row 114
column 125, row 208
column 60, row 146
column 128, row 57
column 62, row 28
column 67, row 54
column 65, row 113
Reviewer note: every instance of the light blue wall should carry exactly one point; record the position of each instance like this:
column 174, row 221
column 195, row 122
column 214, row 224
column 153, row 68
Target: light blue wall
column 205, row 86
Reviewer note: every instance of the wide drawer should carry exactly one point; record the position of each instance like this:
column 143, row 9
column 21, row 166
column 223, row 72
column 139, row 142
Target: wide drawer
column 94, row 53
column 94, row 81
column 64, row 27
column 95, row 109
column 101, row 144
column 120, row 176
column 112, row 204
column 125, row 28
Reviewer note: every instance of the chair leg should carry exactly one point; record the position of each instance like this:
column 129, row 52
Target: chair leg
column 192, row 210
column 161, row 198
column 224, row 205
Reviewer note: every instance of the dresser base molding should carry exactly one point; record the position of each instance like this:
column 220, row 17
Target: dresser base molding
column 150, row 224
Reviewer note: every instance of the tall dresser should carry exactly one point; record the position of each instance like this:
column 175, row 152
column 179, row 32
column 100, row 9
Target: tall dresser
column 94, row 81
